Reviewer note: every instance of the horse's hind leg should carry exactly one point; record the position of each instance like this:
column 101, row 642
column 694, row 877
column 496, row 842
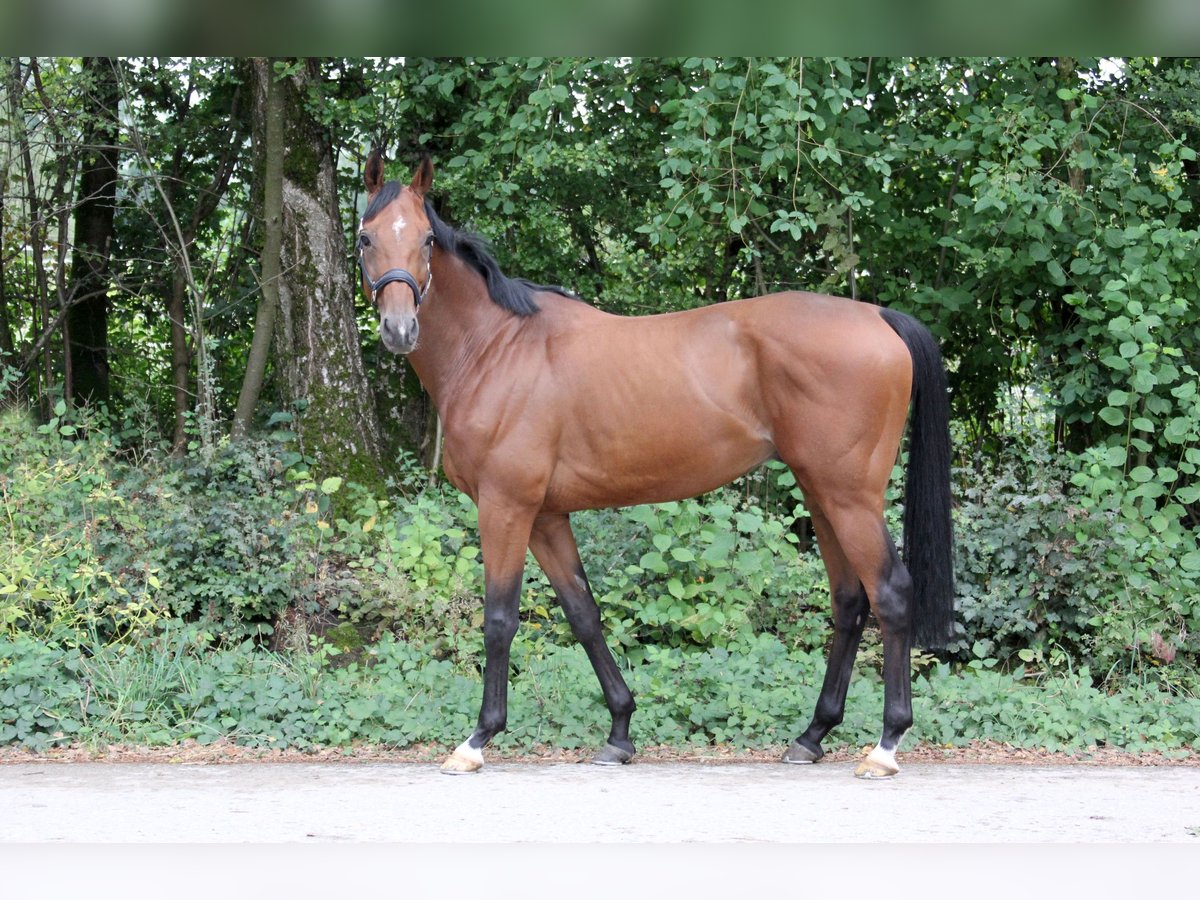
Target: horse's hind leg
column 553, row 545
column 850, row 608
column 868, row 548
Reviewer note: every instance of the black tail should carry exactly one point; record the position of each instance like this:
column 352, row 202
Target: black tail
column 928, row 534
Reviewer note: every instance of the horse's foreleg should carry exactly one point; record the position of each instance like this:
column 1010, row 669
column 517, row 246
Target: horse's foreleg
column 553, row 544
column 504, row 536
column 849, row 615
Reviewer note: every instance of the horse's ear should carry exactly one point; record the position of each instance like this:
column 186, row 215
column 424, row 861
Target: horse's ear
column 373, row 173
column 423, row 177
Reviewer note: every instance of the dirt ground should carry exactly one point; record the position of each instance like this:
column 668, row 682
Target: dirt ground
column 225, row 752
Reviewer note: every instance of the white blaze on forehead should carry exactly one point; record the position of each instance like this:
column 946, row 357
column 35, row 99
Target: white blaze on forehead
column 398, row 226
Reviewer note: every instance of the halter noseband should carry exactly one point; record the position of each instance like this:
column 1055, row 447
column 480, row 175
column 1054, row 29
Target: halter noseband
column 402, row 275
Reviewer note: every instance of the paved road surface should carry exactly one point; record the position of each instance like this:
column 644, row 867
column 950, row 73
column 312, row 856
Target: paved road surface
column 570, row 803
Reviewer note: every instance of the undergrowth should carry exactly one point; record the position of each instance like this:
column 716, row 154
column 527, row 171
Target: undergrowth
column 237, row 593
column 760, row 695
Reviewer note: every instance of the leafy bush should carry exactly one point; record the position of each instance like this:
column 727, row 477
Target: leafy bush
column 417, row 569
column 58, row 504
column 1050, row 571
column 175, row 687
column 43, row 698
column 228, row 535
column 708, row 572
column 1023, row 577
column 717, row 615
column 98, row 549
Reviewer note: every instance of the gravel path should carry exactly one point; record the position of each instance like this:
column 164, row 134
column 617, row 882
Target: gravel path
column 566, row 802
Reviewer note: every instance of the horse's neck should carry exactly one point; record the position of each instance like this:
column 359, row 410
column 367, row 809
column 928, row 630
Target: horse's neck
column 458, row 319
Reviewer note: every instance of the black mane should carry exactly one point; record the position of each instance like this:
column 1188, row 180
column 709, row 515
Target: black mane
column 512, row 294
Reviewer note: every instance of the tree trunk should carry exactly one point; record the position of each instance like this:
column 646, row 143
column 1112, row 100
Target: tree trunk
column 87, row 318
column 36, row 237
column 317, row 348
column 181, row 359
column 269, row 110
column 8, row 349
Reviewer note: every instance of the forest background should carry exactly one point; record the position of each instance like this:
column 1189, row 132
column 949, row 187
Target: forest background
column 220, row 510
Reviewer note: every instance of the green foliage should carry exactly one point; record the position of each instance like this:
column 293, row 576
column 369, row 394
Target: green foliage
column 224, row 529
column 1053, row 575
column 98, row 549
column 717, row 616
column 1023, row 578
column 417, row 568
column 1063, row 712
column 709, row 572
column 245, row 542
column 173, row 688
column 58, row 504
column 43, row 699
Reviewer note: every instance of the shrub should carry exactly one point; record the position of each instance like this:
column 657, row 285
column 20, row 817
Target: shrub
column 1055, row 567
column 58, row 505
column 229, row 535
column 1023, row 578
column 417, row 570
column 708, row 572
column 175, row 687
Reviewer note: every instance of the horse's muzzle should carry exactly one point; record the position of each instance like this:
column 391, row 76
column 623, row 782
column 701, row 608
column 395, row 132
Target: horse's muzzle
column 399, row 332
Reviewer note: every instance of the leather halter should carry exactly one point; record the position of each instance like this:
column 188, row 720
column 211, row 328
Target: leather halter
column 402, row 275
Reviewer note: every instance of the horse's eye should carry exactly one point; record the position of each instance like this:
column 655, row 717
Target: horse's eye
column 364, row 241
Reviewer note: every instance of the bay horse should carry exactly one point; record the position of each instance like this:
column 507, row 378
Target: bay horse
column 550, row 406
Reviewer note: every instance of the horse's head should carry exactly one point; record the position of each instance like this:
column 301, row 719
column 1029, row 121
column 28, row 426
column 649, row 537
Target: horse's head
column 395, row 248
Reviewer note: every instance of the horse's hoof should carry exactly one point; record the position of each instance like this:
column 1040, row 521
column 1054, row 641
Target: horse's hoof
column 878, row 764
column 611, row 756
column 800, row 755
column 463, row 761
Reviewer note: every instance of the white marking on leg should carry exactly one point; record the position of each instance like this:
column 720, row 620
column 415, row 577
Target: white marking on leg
column 885, row 757
column 465, row 750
